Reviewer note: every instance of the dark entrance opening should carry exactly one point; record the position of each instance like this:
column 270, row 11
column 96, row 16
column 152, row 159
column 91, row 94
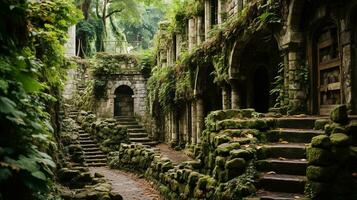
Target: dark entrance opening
column 123, row 101
column 261, row 85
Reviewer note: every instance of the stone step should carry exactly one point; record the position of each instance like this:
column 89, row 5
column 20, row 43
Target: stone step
column 150, row 143
column 137, row 135
column 283, row 183
column 87, row 137
column 90, row 149
column 86, row 141
column 277, row 150
column 140, row 140
column 292, row 135
column 88, row 145
column 136, row 130
column 283, row 166
column 125, row 118
column 128, row 123
column 95, row 160
column 133, row 126
column 266, row 195
column 89, row 153
column 96, row 156
column 297, row 122
column 96, row 164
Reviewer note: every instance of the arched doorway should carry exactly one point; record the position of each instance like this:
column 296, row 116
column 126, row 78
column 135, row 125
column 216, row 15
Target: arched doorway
column 255, row 64
column 123, row 101
column 261, row 87
column 327, row 69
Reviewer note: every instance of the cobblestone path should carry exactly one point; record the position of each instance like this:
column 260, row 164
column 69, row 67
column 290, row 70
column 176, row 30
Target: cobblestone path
column 130, row 186
column 175, row 156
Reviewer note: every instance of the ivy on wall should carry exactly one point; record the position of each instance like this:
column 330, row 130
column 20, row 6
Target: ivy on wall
column 32, row 35
column 256, row 16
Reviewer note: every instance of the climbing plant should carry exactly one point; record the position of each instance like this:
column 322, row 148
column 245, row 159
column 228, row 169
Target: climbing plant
column 32, row 63
column 277, row 90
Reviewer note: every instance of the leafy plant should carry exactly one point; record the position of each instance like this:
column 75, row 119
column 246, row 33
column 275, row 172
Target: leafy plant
column 278, row 86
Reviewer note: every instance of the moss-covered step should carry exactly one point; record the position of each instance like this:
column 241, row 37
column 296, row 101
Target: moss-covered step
column 282, row 166
column 124, row 118
column 140, row 140
column 138, row 135
column 296, row 122
column 283, row 183
column 292, row 135
column 85, row 141
column 136, row 130
column 267, row 195
column 277, row 150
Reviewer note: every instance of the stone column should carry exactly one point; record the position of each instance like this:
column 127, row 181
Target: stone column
column 221, row 10
column 226, row 98
column 200, row 30
column 200, row 118
column 188, row 122
column 192, row 34
column 174, row 128
column 207, row 17
column 235, row 95
column 178, row 45
column 193, row 122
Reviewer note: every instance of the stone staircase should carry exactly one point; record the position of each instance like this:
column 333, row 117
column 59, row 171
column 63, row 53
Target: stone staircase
column 93, row 156
column 282, row 161
column 136, row 132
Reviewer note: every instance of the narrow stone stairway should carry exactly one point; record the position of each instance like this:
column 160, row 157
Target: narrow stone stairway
column 93, row 156
column 282, row 161
column 136, row 132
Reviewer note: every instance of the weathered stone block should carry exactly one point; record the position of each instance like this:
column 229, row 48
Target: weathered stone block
column 321, row 141
column 320, row 124
column 339, row 139
column 317, row 156
column 339, row 114
column 317, row 173
column 241, row 153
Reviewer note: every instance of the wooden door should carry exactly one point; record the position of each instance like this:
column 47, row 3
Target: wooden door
column 328, row 70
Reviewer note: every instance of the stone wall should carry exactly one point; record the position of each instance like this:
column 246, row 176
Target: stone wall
column 136, row 82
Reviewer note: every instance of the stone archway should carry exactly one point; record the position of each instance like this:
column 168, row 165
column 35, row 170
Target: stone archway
column 254, row 64
column 123, row 101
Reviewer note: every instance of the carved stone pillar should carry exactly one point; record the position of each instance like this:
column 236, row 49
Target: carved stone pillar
column 226, row 98
column 200, row 118
column 207, row 17
column 193, row 122
column 174, row 134
column 200, row 30
column 235, row 95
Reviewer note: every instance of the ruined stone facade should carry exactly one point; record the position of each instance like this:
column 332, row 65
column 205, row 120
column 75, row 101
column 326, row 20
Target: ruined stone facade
column 312, row 41
column 135, row 100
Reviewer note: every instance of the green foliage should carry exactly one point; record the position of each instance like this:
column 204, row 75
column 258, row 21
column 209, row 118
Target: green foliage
column 146, row 61
column 220, row 69
column 278, row 86
column 161, row 87
column 32, row 72
column 85, row 34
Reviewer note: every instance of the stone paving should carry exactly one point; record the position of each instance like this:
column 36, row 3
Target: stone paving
column 130, row 186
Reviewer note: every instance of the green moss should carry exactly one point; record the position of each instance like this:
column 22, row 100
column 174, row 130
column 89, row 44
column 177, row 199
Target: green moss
column 241, row 153
column 339, row 114
column 317, row 173
column 321, row 141
column 317, row 156
column 339, row 139
column 320, row 124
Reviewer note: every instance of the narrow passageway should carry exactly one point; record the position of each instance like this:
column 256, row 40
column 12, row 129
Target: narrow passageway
column 128, row 185
column 175, row 156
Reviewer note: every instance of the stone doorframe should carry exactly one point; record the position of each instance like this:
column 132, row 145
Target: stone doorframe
column 132, row 87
